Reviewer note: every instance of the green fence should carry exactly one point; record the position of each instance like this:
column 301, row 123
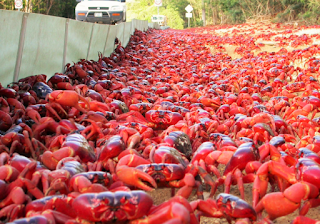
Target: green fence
column 33, row 44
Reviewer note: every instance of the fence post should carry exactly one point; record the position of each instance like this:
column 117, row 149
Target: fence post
column 65, row 47
column 20, row 48
column 90, row 42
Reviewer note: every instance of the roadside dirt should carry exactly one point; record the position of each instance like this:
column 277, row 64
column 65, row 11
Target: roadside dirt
column 161, row 195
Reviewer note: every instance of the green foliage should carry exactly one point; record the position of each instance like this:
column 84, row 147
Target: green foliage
column 236, row 16
column 199, row 22
column 229, row 4
column 292, row 12
column 64, row 8
column 144, row 10
column 173, row 18
column 310, row 17
column 232, row 10
column 307, row 15
column 7, row 4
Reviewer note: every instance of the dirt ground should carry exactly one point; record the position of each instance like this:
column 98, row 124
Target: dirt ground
column 161, row 195
column 269, row 45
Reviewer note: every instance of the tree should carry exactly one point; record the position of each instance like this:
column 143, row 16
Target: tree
column 203, row 13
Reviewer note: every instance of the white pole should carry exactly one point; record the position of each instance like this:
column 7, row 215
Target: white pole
column 158, row 10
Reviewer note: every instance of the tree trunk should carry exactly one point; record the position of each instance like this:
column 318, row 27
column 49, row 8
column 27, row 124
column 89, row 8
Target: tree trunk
column 28, row 6
column 49, row 6
column 203, row 13
column 214, row 14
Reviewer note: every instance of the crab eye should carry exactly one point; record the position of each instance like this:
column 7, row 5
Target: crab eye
column 122, row 200
column 134, row 200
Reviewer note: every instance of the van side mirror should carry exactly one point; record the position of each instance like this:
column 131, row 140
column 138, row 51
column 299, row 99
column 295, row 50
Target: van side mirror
column 123, row 0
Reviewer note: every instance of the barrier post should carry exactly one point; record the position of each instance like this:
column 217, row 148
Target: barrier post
column 65, row 47
column 21, row 45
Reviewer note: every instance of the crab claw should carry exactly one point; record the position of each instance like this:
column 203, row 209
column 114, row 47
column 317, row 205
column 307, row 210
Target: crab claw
column 302, row 219
column 68, row 98
column 234, row 207
column 279, row 204
column 225, row 205
column 136, row 177
column 132, row 176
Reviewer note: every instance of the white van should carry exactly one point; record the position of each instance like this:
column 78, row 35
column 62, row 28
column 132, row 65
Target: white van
column 101, row 11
